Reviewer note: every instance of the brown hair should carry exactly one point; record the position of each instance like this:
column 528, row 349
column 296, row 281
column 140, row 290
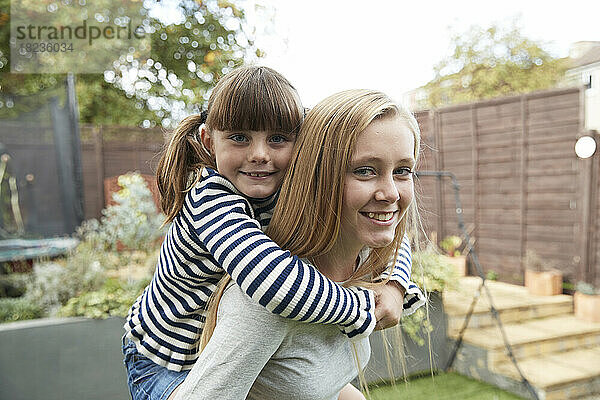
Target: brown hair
column 246, row 99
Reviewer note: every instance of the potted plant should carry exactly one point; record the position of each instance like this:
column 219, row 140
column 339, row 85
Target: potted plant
column 451, row 245
column 586, row 302
column 541, row 277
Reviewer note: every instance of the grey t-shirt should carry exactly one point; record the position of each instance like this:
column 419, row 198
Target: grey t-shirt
column 255, row 354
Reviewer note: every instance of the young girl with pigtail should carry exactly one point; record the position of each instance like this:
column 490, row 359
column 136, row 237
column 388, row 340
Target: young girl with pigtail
column 219, row 179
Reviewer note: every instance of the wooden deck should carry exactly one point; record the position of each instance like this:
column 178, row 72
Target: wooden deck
column 558, row 354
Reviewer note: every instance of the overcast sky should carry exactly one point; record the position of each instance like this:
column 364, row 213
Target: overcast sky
column 330, row 45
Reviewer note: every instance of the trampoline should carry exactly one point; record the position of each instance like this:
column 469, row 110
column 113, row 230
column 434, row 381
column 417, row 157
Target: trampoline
column 30, row 249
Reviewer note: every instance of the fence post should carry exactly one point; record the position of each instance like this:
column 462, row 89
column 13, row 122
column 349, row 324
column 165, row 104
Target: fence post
column 592, row 275
column 66, row 167
column 587, row 270
column 587, row 262
column 73, row 113
column 439, row 166
column 523, row 155
column 99, row 152
column 475, row 174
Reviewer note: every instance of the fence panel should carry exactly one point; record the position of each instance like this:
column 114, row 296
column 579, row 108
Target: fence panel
column 521, row 183
column 109, row 151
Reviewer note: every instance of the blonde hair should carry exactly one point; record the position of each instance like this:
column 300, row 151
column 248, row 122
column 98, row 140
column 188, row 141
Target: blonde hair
column 250, row 98
column 312, row 190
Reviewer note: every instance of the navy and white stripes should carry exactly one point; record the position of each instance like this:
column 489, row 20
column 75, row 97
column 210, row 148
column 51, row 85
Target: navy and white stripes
column 219, row 230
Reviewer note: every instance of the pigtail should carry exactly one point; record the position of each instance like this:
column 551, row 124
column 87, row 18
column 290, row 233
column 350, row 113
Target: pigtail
column 180, row 163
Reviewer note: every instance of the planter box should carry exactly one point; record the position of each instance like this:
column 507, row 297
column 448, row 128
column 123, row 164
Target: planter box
column 587, row 307
column 62, row 359
column 544, row 283
column 459, row 263
column 80, row 358
column 416, row 358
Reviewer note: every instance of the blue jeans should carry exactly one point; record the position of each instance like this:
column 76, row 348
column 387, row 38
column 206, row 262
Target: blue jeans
column 146, row 379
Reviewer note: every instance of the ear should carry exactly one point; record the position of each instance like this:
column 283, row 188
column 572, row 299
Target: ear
column 206, row 140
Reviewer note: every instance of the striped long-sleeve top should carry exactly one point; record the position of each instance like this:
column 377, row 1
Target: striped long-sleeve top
column 217, row 231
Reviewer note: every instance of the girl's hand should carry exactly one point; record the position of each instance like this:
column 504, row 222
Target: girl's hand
column 389, row 299
column 349, row 392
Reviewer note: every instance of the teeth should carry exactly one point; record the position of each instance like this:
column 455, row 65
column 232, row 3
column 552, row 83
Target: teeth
column 257, row 174
column 381, row 216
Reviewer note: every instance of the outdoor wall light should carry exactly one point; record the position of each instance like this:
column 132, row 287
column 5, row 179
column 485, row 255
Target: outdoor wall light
column 585, row 147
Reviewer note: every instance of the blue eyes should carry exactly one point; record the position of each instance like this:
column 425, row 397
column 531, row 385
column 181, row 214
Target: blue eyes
column 370, row 171
column 278, row 139
column 238, row 138
column 403, row 171
column 241, row 138
column 364, row 171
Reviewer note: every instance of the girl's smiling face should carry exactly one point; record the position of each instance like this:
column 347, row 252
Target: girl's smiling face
column 379, row 184
column 254, row 161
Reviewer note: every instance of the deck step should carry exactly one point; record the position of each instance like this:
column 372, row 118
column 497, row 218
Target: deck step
column 557, row 353
column 569, row 375
column 534, row 338
column 514, row 304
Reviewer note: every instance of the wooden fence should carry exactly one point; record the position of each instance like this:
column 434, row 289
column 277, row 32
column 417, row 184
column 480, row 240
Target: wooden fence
column 521, row 185
column 108, row 151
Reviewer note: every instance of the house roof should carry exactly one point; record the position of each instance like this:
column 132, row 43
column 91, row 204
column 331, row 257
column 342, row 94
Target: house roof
column 589, row 57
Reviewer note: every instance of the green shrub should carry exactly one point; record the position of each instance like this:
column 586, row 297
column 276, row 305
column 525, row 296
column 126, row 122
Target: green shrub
column 416, row 326
column 491, row 275
column 54, row 283
column 451, row 245
column 17, row 309
column 114, row 298
column 80, row 280
column 133, row 222
column 95, row 280
column 13, row 284
column 432, row 273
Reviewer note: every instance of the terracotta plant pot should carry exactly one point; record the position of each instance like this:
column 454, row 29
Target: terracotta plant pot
column 544, row 283
column 587, row 307
column 459, row 263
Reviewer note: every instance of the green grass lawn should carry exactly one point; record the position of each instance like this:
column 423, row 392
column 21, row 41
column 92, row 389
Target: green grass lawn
column 441, row 387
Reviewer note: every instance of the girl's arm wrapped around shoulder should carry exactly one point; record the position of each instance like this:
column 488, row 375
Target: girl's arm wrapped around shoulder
column 401, row 273
column 284, row 284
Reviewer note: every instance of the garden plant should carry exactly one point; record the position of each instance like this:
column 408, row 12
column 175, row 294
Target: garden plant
column 105, row 273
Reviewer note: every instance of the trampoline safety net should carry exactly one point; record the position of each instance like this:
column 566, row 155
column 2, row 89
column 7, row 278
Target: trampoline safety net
column 41, row 188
